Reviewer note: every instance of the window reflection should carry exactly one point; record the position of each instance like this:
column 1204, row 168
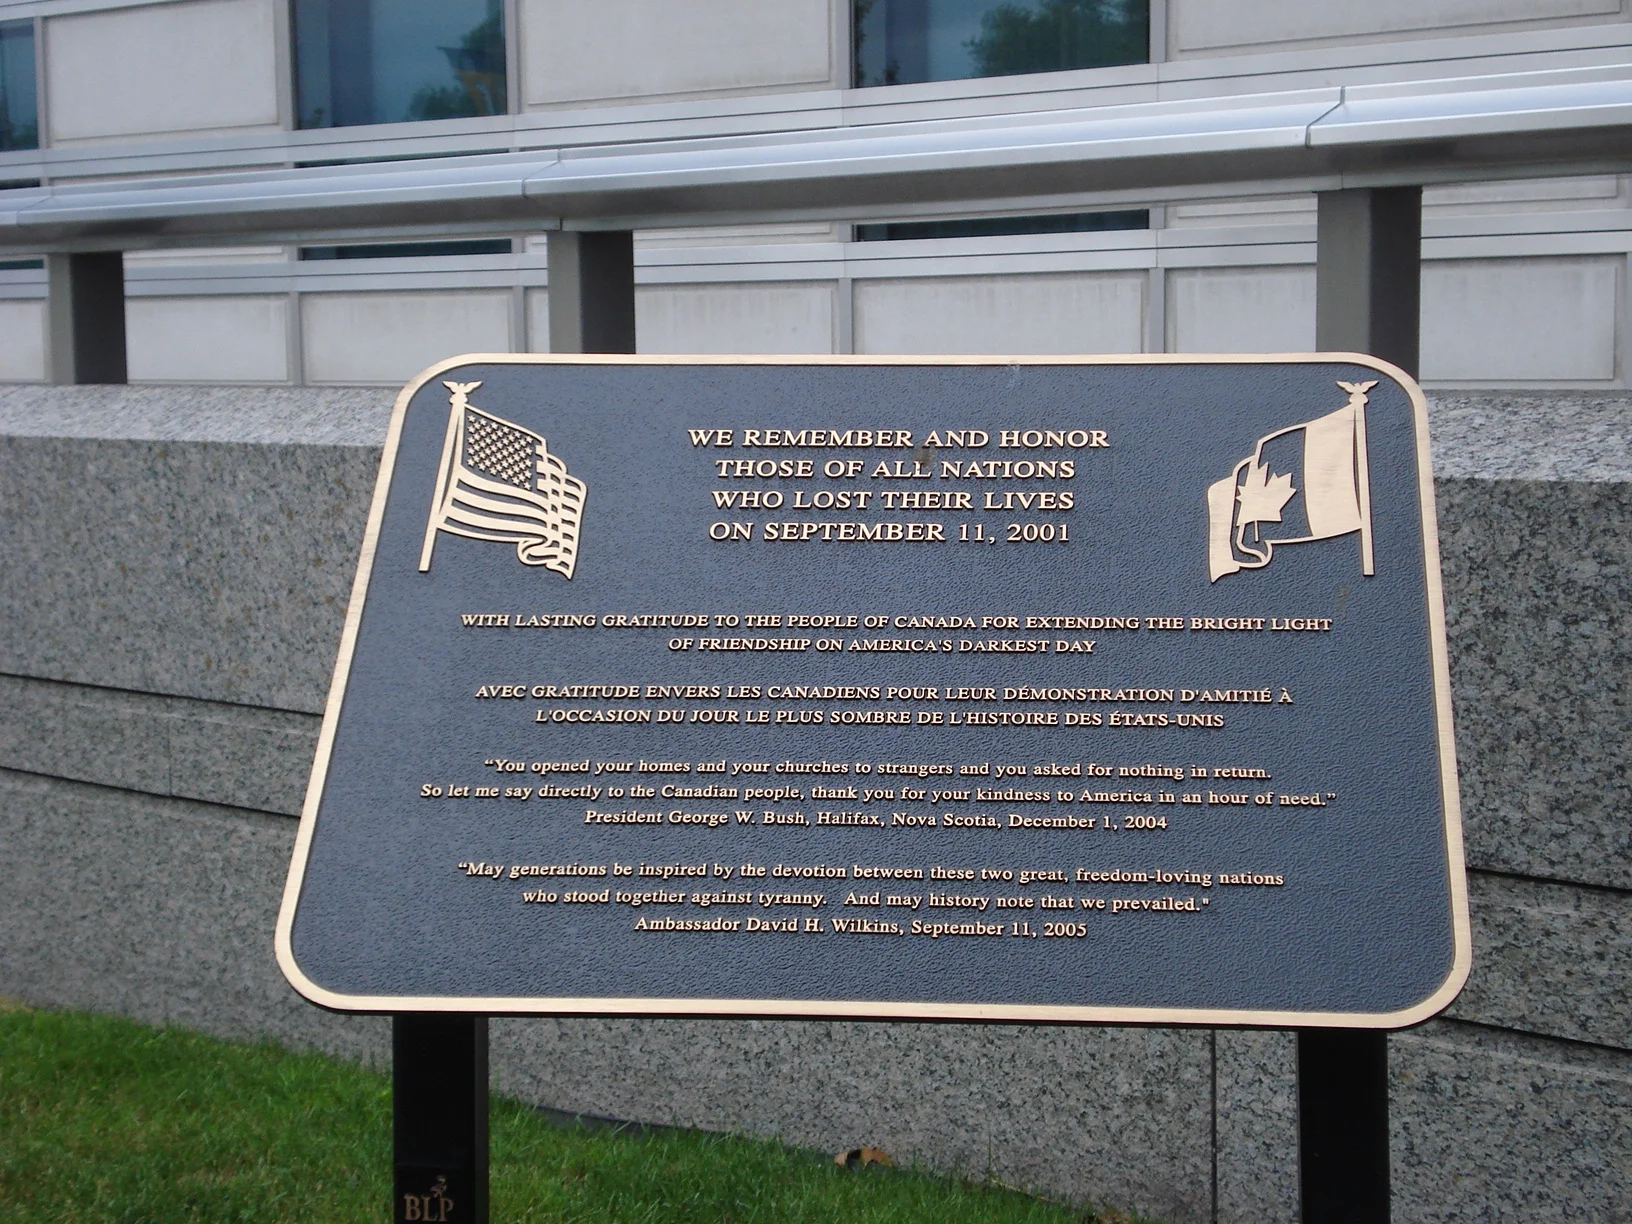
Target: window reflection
column 999, row 227
column 899, row 42
column 394, row 61
column 409, row 250
column 19, row 109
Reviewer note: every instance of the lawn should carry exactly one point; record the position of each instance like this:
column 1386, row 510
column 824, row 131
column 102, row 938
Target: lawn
column 107, row 1121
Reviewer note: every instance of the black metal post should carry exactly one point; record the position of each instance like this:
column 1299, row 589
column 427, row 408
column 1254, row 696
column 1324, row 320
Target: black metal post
column 1343, row 1126
column 592, row 291
column 439, row 1119
column 86, row 310
column 1368, row 277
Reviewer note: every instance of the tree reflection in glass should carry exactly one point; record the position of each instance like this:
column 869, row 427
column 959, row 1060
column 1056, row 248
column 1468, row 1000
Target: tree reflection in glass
column 19, row 106
column 391, row 61
column 899, row 42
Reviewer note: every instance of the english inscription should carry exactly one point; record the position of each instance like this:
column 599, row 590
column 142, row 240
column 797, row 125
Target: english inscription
column 960, row 690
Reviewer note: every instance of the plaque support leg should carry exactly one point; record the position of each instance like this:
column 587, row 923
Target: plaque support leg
column 439, row 1118
column 592, row 291
column 86, row 314
column 1368, row 277
column 1343, row 1126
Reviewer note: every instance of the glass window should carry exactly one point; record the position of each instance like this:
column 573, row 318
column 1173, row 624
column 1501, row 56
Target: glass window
column 19, row 110
column 392, row 61
column 899, row 42
column 992, row 227
column 409, row 250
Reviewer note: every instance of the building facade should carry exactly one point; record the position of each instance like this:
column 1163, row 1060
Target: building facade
column 1524, row 281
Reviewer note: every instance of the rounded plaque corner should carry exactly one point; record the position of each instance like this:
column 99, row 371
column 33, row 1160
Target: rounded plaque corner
column 302, row 984
column 1441, row 998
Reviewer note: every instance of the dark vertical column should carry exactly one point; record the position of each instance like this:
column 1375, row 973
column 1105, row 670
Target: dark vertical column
column 87, row 317
column 1343, row 1126
column 1368, row 277
column 439, row 1118
column 1368, row 273
column 592, row 291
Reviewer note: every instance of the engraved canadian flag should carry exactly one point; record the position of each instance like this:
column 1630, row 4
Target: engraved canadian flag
column 1324, row 461
column 499, row 482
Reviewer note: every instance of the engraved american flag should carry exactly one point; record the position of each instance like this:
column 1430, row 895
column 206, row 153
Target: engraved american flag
column 499, row 482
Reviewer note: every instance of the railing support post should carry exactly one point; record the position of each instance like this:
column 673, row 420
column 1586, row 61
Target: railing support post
column 86, row 313
column 1368, row 273
column 592, row 291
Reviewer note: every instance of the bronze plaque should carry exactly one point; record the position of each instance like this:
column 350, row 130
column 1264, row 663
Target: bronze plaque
column 1030, row 689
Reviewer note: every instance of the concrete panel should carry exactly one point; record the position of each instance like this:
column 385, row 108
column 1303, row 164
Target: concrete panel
column 781, row 233
column 1257, row 1109
column 390, row 337
column 238, row 755
column 1493, row 1126
column 1484, row 1126
column 1082, row 313
column 1270, row 210
column 202, row 66
column 208, row 339
column 1538, row 595
column 735, row 318
column 192, row 257
column 1520, row 320
column 1117, row 1115
column 1241, row 310
column 158, row 909
column 1526, row 195
column 1550, row 959
column 22, row 341
column 211, row 570
column 1203, row 26
column 575, row 52
column 538, row 321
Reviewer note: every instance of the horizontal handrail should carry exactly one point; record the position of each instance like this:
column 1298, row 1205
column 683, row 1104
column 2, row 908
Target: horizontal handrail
column 1571, row 121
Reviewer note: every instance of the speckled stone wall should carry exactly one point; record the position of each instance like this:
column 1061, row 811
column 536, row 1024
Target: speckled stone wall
column 174, row 564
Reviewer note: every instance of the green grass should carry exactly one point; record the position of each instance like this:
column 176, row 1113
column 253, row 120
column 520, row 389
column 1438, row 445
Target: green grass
column 106, row 1121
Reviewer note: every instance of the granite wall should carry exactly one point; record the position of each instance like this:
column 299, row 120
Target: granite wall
column 174, row 564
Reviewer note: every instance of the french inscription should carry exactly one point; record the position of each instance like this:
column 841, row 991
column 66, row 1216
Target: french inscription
column 1068, row 713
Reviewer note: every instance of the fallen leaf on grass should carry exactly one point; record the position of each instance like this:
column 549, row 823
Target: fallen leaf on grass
column 860, row 1158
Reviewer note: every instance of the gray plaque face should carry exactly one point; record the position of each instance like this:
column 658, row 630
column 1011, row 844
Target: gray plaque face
column 1042, row 689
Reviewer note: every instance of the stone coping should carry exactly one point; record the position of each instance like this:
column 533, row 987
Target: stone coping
column 310, row 416
column 1490, row 435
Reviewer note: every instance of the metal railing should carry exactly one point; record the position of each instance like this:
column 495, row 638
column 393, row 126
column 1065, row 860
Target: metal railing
column 1570, row 121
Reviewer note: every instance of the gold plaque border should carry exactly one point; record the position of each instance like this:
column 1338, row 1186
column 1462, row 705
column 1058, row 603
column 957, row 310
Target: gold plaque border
column 825, row 1009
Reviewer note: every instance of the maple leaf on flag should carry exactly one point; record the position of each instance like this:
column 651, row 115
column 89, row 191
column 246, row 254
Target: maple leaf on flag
column 1262, row 496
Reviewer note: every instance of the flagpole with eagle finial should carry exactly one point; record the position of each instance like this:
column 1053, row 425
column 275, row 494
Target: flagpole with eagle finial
column 458, row 401
column 1362, row 474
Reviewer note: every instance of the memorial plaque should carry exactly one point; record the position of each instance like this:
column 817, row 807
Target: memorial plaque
column 1033, row 689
